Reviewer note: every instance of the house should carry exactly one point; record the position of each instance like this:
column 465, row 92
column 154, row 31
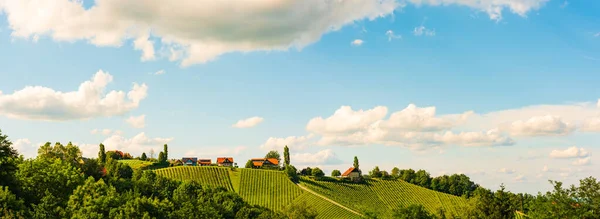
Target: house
column 204, row 162
column 176, row 162
column 225, row 161
column 352, row 173
column 265, row 162
column 189, row 161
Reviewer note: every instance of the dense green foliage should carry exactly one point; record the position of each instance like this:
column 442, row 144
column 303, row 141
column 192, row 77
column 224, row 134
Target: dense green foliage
column 268, row 188
column 212, row 176
column 274, row 154
column 336, row 173
column 456, row 184
column 102, row 154
column 412, row 211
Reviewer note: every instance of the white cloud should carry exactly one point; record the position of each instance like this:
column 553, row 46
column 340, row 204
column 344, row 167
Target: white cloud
column 25, row 148
column 520, row 178
column 202, row 30
column 493, row 8
column 137, row 121
column 94, row 131
column 324, row 157
column 412, row 127
column 293, row 142
column 591, row 125
column 390, row 34
column 422, row 30
column 106, row 131
column 160, row 72
column 89, row 101
column 507, row 171
column 571, row 152
column 216, row 152
column 541, row 126
column 582, row 161
column 248, row 122
column 357, row 42
column 136, row 145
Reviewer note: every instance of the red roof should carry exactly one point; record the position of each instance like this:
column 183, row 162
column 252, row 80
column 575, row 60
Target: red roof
column 350, row 170
column 204, row 161
column 260, row 161
column 224, row 159
column 273, row 161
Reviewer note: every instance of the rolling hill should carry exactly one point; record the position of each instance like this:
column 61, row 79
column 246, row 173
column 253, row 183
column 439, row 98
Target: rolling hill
column 273, row 189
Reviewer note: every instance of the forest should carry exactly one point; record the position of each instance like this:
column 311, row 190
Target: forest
column 60, row 183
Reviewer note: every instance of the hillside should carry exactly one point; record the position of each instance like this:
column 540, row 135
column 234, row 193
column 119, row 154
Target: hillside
column 136, row 164
column 273, row 189
column 373, row 194
column 213, row 176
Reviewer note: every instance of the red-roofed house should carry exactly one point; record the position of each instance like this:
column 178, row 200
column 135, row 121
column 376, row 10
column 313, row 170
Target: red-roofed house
column 225, row 161
column 351, row 173
column 204, row 162
column 265, row 162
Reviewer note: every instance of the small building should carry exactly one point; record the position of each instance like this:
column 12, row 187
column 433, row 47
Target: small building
column 351, row 173
column 176, row 162
column 204, row 162
column 189, row 161
column 225, row 161
column 265, row 162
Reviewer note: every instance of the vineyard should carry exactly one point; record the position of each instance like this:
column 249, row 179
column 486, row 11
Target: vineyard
column 136, row 164
column 372, row 195
column 324, row 208
column 271, row 189
column 213, row 176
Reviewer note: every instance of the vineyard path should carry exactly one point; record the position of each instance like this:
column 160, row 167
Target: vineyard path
column 329, row 200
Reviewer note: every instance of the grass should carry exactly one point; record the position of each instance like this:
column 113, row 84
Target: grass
column 267, row 188
column 137, row 164
column 235, row 176
column 324, row 208
column 382, row 196
column 212, row 176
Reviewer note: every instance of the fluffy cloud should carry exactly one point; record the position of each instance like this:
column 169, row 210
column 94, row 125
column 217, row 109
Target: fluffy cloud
column 411, row 127
column 422, row 30
column 520, row 178
column 582, row 161
column 198, row 32
column 541, row 126
column 357, row 42
column 103, row 131
column 591, row 125
column 25, row 148
column 507, row 171
column 248, row 123
column 135, row 145
column 193, row 32
column 493, row 8
column 89, row 101
column 324, row 157
column 137, row 121
column 571, row 152
column 390, row 34
column 293, row 142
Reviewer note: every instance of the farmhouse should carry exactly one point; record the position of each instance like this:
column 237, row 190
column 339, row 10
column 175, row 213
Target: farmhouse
column 176, row 162
column 225, row 161
column 204, row 162
column 351, row 173
column 189, row 161
column 265, row 162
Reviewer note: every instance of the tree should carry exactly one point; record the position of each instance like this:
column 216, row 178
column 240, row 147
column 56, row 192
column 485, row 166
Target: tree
column 249, row 164
column 102, row 154
column 9, row 159
column 355, row 162
column 395, row 172
column 317, row 172
column 306, row 171
column 412, row 211
column 422, row 179
column 286, row 155
column 274, row 154
column 300, row 210
column 151, row 153
column 292, row 173
column 143, row 157
column 375, row 173
column 166, row 151
column 336, row 173
column 161, row 157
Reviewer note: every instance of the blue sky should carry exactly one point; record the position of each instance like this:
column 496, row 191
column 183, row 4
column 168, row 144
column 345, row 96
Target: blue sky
column 504, row 97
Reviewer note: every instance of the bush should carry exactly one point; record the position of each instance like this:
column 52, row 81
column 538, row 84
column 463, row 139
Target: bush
column 318, row 173
column 336, row 173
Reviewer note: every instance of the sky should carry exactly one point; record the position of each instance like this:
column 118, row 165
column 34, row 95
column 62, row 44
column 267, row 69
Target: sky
column 505, row 92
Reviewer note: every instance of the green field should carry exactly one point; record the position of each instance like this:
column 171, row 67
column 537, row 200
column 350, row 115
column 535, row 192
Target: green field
column 324, row 208
column 213, row 176
column 136, row 164
column 381, row 196
column 268, row 188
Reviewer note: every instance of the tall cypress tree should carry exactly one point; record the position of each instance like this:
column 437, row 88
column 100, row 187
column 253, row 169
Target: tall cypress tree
column 286, row 155
column 166, row 153
column 102, row 154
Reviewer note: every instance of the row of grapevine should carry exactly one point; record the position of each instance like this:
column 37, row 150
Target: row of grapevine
column 324, row 208
column 358, row 197
column 136, row 164
column 271, row 189
column 213, row 176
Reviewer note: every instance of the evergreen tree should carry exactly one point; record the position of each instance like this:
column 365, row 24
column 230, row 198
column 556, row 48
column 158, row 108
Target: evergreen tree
column 335, row 173
column 249, row 164
column 102, row 154
column 166, row 152
column 286, row 155
column 143, row 157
